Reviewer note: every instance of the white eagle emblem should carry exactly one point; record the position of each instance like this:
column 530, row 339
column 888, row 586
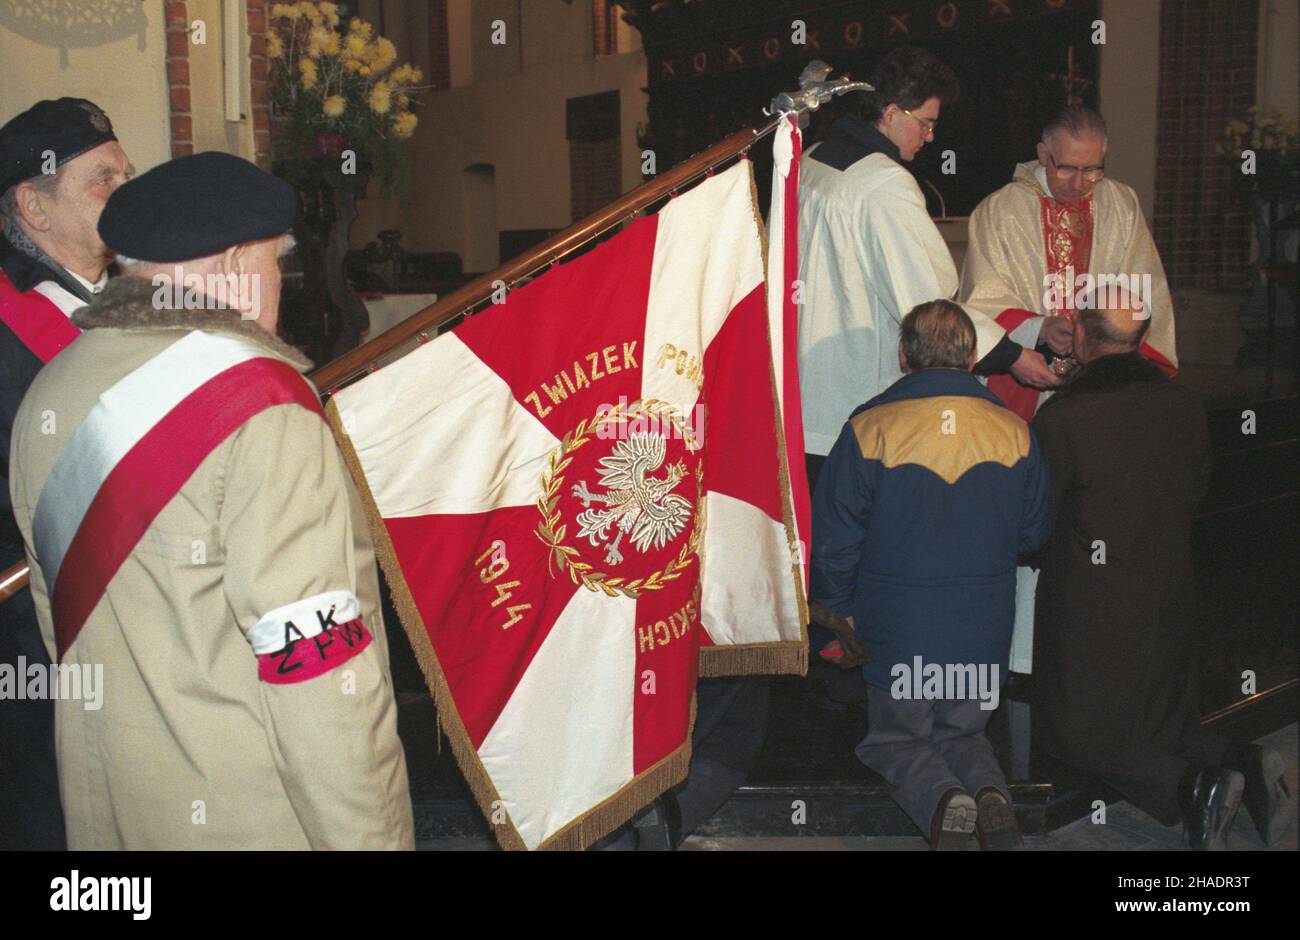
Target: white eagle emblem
column 636, row 503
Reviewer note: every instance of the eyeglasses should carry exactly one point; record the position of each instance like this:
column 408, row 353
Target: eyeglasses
column 1090, row 173
column 930, row 124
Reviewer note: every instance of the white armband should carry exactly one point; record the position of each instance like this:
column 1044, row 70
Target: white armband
column 302, row 620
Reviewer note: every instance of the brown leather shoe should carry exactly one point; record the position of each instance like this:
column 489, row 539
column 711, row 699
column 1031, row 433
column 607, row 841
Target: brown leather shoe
column 953, row 822
column 995, row 823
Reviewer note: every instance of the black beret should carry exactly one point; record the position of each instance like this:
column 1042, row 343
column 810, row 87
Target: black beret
column 194, row 207
column 68, row 127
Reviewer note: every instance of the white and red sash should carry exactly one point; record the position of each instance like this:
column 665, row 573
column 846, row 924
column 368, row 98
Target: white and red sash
column 139, row 444
column 39, row 317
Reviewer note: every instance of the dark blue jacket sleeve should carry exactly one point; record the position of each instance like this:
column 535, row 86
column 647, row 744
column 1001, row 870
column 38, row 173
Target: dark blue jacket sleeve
column 1039, row 511
column 841, row 510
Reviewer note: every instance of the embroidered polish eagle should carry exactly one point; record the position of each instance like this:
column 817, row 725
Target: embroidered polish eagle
column 637, row 504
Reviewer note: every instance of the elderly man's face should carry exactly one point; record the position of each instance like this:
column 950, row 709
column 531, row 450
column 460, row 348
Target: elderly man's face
column 85, row 183
column 1069, row 161
column 261, row 260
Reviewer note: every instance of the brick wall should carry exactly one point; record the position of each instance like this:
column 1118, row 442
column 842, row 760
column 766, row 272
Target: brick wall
column 1207, row 77
column 259, row 96
column 604, row 27
column 178, row 77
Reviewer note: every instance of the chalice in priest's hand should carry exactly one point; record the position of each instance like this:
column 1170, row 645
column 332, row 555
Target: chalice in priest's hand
column 1063, row 365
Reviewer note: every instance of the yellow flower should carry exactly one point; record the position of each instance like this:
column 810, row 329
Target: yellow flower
column 356, row 45
column 402, row 100
column 334, row 105
column 380, row 98
column 405, row 75
column 327, row 8
column 285, row 11
column 361, row 28
column 274, row 46
column 308, row 69
column 404, row 127
column 319, row 40
column 385, row 54
column 364, row 70
column 351, row 65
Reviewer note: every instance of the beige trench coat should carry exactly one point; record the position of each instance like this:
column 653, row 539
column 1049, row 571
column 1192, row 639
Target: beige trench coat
column 189, row 749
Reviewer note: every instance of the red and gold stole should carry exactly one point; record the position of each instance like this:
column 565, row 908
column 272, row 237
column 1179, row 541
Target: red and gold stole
column 1067, row 241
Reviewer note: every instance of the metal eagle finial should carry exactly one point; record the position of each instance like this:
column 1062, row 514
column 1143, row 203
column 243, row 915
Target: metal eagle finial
column 814, row 89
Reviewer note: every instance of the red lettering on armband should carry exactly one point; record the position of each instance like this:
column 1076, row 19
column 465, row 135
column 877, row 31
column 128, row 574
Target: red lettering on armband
column 308, row 657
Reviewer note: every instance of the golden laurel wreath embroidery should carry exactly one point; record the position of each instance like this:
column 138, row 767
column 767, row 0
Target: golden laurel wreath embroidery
column 552, row 533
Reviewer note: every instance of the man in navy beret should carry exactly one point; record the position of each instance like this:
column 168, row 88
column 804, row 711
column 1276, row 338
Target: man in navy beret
column 59, row 162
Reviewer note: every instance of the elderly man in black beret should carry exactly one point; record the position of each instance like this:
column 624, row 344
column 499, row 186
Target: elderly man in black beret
column 192, row 531
column 59, row 163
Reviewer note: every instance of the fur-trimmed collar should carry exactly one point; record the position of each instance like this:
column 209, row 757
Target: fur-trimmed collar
column 127, row 304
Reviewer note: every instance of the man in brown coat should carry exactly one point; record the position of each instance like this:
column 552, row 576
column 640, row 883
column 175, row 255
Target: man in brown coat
column 1115, row 656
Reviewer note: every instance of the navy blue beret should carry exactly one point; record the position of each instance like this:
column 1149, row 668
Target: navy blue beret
column 67, row 126
column 194, row 207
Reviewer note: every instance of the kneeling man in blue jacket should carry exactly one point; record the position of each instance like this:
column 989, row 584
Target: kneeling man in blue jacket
column 931, row 492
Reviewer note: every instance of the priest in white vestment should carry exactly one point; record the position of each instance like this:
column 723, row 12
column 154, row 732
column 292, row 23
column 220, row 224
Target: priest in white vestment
column 1057, row 236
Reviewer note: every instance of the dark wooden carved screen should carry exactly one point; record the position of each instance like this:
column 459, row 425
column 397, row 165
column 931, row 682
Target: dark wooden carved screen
column 713, row 64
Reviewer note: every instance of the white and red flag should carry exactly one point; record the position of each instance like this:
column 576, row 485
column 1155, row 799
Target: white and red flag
column 783, row 321
column 581, row 502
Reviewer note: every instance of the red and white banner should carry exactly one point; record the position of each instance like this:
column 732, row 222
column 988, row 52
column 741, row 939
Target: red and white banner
column 579, row 499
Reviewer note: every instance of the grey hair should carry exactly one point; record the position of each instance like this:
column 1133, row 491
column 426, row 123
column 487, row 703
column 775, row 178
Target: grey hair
column 937, row 334
column 45, row 182
column 286, row 246
column 1078, row 120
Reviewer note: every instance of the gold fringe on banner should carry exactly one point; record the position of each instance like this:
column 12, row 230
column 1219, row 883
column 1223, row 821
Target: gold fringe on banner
column 581, row 832
column 756, row 659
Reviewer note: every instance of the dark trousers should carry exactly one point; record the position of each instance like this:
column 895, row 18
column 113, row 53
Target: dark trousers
column 1149, row 778
column 730, row 726
column 31, row 815
column 925, row 748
